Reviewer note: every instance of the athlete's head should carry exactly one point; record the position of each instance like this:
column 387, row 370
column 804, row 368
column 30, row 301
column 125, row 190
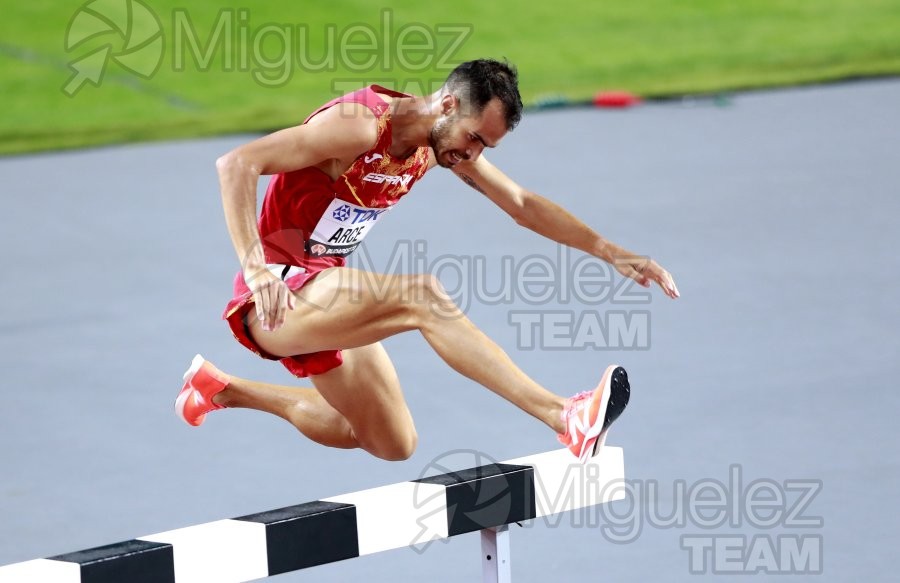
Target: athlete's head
column 479, row 104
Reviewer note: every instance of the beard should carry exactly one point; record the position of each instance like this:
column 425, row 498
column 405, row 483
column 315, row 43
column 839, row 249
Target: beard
column 439, row 137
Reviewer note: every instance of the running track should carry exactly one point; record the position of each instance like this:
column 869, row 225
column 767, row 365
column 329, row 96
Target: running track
column 777, row 215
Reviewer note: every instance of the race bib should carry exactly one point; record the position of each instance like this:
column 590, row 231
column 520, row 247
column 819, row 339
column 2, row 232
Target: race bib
column 342, row 228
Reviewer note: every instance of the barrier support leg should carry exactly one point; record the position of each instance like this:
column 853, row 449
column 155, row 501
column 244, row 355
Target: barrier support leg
column 495, row 559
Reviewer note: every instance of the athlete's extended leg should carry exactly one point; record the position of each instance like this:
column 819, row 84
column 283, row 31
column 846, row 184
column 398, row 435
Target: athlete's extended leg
column 348, row 308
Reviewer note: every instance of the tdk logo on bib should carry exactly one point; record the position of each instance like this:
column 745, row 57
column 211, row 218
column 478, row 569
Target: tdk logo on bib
column 342, row 228
column 342, row 213
column 364, row 215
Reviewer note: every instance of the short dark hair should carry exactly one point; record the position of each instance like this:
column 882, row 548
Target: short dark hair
column 478, row 82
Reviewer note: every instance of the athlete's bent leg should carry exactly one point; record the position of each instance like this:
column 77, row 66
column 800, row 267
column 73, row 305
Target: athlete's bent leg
column 347, row 308
column 365, row 386
column 304, row 408
column 366, row 391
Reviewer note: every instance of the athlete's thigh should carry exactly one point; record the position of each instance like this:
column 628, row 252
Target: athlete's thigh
column 366, row 391
column 341, row 308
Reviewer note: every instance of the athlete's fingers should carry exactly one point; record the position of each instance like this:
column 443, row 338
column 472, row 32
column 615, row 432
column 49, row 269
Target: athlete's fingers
column 276, row 307
column 658, row 275
column 259, row 309
column 645, row 271
column 653, row 271
column 259, row 301
column 665, row 287
column 271, row 306
column 263, row 302
column 669, row 285
column 285, row 303
column 280, row 305
column 265, row 287
column 665, row 281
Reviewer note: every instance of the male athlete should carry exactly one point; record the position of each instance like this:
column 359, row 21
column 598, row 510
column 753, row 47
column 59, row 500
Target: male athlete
column 295, row 300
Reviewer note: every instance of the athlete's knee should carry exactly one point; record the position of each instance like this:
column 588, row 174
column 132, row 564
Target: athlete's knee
column 402, row 449
column 432, row 287
column 427, row 298
column 398, row 449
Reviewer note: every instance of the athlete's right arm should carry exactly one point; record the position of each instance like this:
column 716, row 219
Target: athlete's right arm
column 337, row 135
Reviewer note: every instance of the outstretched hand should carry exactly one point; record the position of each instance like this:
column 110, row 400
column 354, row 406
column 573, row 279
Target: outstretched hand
column 645, row 270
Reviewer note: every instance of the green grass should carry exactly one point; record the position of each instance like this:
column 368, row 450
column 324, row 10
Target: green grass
column 568, row 47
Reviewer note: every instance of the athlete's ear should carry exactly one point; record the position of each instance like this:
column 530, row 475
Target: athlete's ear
column 449, row 103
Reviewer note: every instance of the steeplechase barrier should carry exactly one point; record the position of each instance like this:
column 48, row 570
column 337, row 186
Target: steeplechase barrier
column 486, row 498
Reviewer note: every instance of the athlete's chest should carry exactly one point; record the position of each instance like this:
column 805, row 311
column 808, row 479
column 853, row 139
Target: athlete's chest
column 377, row 180
column 363, row 195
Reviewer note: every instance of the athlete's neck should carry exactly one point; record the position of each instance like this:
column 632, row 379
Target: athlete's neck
column 411, row 120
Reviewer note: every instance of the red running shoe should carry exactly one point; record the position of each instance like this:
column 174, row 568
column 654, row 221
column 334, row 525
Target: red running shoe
column 588, row 415
column 201, row 382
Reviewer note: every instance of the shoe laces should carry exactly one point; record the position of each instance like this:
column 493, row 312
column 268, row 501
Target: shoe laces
column 572, row 405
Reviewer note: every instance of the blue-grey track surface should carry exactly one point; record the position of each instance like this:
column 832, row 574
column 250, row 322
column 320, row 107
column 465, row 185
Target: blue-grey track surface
column 776, row 214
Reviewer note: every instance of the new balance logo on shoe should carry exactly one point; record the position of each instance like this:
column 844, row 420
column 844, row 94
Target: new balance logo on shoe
column 589, row 414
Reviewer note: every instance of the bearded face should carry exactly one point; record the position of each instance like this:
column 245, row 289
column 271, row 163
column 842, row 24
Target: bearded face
column 456, row 137
column 440, row 140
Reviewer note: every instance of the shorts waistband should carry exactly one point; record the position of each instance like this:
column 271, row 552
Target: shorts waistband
column 285, row 271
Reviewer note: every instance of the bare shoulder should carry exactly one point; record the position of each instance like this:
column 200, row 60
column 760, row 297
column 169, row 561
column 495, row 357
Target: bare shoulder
column 350, row 126
column 331, row 140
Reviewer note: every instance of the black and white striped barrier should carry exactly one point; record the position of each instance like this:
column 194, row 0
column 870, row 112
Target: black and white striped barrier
column 485, row 498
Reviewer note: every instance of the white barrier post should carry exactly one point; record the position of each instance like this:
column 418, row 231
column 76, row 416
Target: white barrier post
column 495, row 557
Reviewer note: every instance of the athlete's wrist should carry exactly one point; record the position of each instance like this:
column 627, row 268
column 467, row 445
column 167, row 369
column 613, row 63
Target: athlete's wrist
column 607, row 250
column 254, row 260
column 254, row 273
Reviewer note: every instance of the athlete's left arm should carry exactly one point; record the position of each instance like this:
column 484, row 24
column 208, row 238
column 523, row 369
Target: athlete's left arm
column 547, row 218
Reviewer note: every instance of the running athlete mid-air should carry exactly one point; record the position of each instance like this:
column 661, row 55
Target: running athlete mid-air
column 334, row 177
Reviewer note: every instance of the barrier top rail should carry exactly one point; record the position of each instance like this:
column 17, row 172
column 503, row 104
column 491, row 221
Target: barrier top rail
column 406, row 514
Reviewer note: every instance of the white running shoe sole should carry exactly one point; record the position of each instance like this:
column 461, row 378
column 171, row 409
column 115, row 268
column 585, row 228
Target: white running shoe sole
column 186, row 391
column 617, row 395
column 597, row 428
